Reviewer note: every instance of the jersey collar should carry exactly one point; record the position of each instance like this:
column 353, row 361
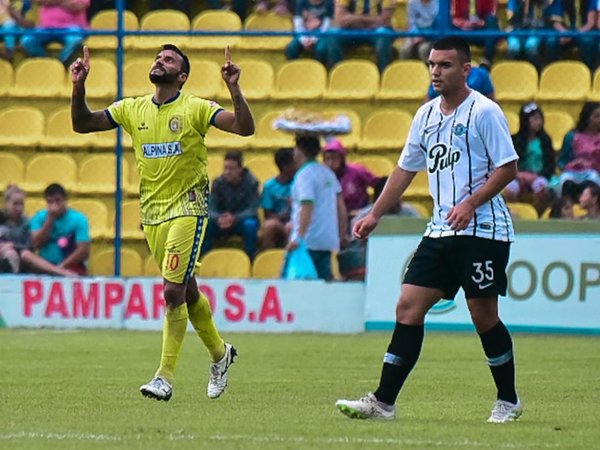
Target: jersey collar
column 171, row 100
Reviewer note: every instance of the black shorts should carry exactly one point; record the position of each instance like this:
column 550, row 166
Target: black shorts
column 477, row 265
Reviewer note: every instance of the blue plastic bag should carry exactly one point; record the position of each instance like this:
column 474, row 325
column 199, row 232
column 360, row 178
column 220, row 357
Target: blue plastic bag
column 299, row 265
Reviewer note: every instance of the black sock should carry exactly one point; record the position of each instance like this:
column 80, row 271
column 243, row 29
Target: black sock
column 498, row 348
column 401, row 357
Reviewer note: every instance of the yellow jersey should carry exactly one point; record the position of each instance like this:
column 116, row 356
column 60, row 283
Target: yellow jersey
column 171, row 157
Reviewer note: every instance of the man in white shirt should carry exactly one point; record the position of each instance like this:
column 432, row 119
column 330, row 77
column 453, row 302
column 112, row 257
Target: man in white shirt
column 461, row 139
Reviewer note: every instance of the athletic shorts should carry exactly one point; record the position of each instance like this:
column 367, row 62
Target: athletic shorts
column 478, row 265
column 175, row 246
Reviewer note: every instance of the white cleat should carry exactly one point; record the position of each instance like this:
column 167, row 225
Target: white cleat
column 504, row 411
column 158, row 388
column 217, row 381
column 367, row 407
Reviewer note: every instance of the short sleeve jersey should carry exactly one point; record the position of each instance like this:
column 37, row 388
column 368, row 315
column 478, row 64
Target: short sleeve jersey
column 459, row 151
column 170, row 153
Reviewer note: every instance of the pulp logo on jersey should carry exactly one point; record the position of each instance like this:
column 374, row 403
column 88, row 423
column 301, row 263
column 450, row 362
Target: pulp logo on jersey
column 442, row 157
column 162, row 150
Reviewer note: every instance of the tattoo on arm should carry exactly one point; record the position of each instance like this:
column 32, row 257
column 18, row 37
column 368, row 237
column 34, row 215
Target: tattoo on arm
column 237, row 100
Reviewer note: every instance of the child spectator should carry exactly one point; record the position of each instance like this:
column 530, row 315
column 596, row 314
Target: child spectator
column 590, row 202
column 311, row 15
column 562, row 208
column 422, row 16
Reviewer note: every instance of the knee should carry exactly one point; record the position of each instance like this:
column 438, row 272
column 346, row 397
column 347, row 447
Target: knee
column 250, row 226
column 271, row 227
column 407, row 313
column 174, row 294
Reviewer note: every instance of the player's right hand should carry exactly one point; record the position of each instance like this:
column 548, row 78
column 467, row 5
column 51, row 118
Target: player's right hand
column 364, row 226
column 81, row 67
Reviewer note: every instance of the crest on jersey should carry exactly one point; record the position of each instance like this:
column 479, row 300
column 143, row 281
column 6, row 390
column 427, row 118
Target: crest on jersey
column 175, row 124
column 459, row 129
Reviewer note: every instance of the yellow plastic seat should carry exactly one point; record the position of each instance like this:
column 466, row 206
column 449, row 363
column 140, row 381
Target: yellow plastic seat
column 12, row 169
column 136, row 82
column 351, row 139
column 262, row 167
column 97, row 174
column 97, row 215
column 47, row 168
column 268, row 264
column 379, row 166
column 214, row 167
column 405, row 80
column 219, row 139
column 107, row 140
column 34, row 204
column 594, row 95
column 522, row 211
column 21, row 126
column 60, row 134
column 40, row 78
column 7, row 77
column 266, row 22
column 557, row 124
column 300, row 79
column 225, row 263
column 205, row 80
column 102, row 263
column 513, row 121
column 418, row 188
column 131, row 227
column 131, row 180
column 353, row 79
column 257, row 81
column 514, row 81
column 101, row 82
column 267, row 137
column 151, row 268
column 565, row 80
column 386, row 130
column 163, row 20
column 215, row 20
column 107, row 20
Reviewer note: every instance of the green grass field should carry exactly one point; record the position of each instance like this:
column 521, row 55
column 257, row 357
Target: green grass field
column 79, row 390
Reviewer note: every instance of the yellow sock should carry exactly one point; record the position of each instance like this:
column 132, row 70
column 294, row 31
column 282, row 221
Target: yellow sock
column 174, row 327
column 202, row 320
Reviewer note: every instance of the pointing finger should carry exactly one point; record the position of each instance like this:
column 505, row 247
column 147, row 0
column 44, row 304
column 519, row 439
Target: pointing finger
column 86, row 54
column 227, row 53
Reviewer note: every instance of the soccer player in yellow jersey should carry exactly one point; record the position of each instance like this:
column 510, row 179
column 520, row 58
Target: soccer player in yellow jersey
column 168, row 130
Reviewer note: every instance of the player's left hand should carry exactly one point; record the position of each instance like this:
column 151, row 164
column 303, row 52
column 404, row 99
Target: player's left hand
column 230, row 71
column 460, row 216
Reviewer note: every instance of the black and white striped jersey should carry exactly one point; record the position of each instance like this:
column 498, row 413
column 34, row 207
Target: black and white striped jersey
column 459, row 151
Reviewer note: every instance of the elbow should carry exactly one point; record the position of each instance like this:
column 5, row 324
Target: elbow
column 80, row 128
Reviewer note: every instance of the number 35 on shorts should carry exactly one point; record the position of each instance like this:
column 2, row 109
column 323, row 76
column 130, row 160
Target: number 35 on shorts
column 483, row 274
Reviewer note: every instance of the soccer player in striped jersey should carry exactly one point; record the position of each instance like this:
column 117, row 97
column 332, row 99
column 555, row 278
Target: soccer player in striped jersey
column 167, row 130
column 461, row 139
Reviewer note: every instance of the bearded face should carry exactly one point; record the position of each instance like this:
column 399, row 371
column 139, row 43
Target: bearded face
column 161, row 75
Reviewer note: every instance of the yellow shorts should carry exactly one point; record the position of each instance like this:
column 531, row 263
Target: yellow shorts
column 175, row 246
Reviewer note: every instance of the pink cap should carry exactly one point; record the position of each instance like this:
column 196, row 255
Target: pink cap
column 334, row 145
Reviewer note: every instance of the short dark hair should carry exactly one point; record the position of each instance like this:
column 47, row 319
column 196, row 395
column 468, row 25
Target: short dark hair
column 55, row 189
column 185, row 66
column 309, row 144
column 235, row 155
column 284, row 157
column 454, row 43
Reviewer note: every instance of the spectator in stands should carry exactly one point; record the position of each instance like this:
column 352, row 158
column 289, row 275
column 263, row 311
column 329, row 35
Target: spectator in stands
column 475, row 15
column 279, row 7
column 311, row 15
column 100, row 5
column 233, row 205
column 422, row 16
column 373, row 20
column 561, row 208
column 319, row 218
column 354, row 178
column 69, row 15
column 579, row 158
column 536, row 161
column 478, row 79
column 13, row 18
column 276, row 202
column 590, row 201
column 61, row 234
column 588, row 45
column 240, row 7
column 535, row 15
column 180, row 5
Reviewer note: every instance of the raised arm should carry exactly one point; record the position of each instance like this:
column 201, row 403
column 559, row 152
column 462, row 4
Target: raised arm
column 84, row 120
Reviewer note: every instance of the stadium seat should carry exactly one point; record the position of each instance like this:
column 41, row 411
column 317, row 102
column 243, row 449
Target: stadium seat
column 268, row 264
column 418, row 188
column 151, row 268
column 107, row 20
column 262, row 167
column 594, row 95
column 215, row 20
column 205, row 80
column 107, row 140
column 40, row 78
column 131, row 227
column 514, row 81
column 557, row 124
column 257, row 81
column 565, row 80
column 513, row 121
column 267, row 137
column 225, row 263
column 378, row 165
column 135, row 77
column 214, row 167
column 97, row 215
column 21, row 126
column 522, row 211
column 102, row 80
column 7, row 77
column 60, row 134
column 351, row 139
column 300, row 79
column 131, row 180
column 219, row 139
column 47, row 168
column 12, row 169
column 34, row 204
column 424, row 211
column 97, row 174
column 102, row 263
column 385, row 130
column 266, row 22
column 163, row 20
column 404, row 80
column 353, row 79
